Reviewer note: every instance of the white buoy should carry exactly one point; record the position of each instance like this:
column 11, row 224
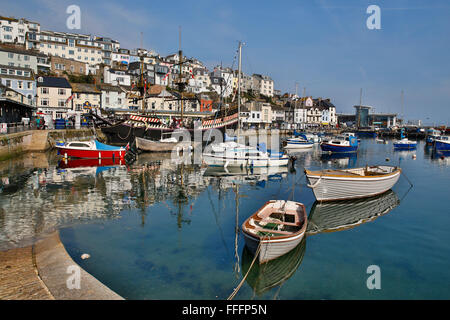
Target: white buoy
column 85, row 256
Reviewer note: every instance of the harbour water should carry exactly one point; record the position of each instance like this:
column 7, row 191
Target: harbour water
column 160, row 230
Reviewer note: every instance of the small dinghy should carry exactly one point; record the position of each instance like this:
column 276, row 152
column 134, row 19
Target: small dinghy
column 275, row 229
column 334, row 184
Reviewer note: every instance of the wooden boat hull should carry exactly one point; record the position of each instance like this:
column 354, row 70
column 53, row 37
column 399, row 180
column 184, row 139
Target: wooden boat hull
column 274, row 246
column 157, row 146
column 335, row 187
column 271, row 249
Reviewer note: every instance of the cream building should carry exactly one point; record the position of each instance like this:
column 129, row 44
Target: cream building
column 53, row 96
column 85, row 97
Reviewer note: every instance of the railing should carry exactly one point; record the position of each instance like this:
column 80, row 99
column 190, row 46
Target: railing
column 19, row 127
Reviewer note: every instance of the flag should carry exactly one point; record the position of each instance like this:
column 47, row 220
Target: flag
column 70, row 98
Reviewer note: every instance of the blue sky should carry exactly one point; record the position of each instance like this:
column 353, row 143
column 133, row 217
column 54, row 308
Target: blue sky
column 322, row 45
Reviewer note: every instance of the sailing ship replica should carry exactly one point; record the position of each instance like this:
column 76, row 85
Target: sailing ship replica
column 145, row 124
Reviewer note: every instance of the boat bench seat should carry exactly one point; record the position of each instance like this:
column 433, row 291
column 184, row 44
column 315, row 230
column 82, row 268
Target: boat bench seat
column 277, row 221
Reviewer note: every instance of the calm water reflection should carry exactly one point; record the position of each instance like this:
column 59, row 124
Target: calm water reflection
column 162, row 230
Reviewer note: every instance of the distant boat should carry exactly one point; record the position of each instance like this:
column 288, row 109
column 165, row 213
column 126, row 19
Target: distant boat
column 276, row 228
column 333, row 184
column 90, row 149
column 334, row 216
column 432, row 135
column 442, row 143
column 235, row 154
column 340, row 144
column 404, row 143
column 298, row 143
column 163, row 145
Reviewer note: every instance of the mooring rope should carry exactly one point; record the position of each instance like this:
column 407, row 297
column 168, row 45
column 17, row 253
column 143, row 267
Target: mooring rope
column 235, row 291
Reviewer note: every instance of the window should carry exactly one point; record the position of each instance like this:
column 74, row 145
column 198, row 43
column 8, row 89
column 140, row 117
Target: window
column 8, row 83
column 61, row 103
column 61, row 92
column 72, row 52
column 44, row 102
column 44, row 90
column 7, row 37
column 4, row 71
column 19, row 72
column 29, row 85
column 119, row 100
column 11, row 72
column 107, row 100
column 20, row 84
column 10, row 55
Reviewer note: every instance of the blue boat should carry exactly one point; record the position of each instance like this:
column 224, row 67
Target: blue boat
column 442, row 143
column 432, row 135
column 340, row 144
column 404, row 143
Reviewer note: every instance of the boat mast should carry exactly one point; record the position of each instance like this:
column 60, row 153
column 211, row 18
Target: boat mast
column 402, row 109
column 180, row 54
column 239, row 89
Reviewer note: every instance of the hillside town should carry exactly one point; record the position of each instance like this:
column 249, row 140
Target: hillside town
column 62, row 75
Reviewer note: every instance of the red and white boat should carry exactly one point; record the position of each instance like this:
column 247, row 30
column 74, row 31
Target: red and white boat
column 90, row 149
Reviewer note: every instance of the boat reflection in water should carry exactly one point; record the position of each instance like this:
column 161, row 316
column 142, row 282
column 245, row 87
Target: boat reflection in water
column 341, row 160
column 263, row 277
column 341, row 215
column 252, row 176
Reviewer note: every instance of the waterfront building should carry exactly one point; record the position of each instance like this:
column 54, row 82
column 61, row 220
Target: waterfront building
column 116, row 76
column 200, row 81
column 18, row 57
column 80, row 47
column 120, row 58
column 16, row 31
column 263, row 84
column 21, row 80
column 113, row 97
column 85, row 97
column 222, row 81
column 62, row 66
column 53, row 96
column 14, row 106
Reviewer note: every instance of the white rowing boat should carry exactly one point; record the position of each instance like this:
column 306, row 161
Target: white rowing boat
column 362, row 182
column 275, row 229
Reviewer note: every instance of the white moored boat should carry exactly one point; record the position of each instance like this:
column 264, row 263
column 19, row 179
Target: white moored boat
column 232, row 154
column 276, row 228
column 362, row 182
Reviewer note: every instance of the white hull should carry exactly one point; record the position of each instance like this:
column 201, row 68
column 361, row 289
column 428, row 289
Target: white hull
column 272, row 249
column 298, row 146
column 338, row 188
